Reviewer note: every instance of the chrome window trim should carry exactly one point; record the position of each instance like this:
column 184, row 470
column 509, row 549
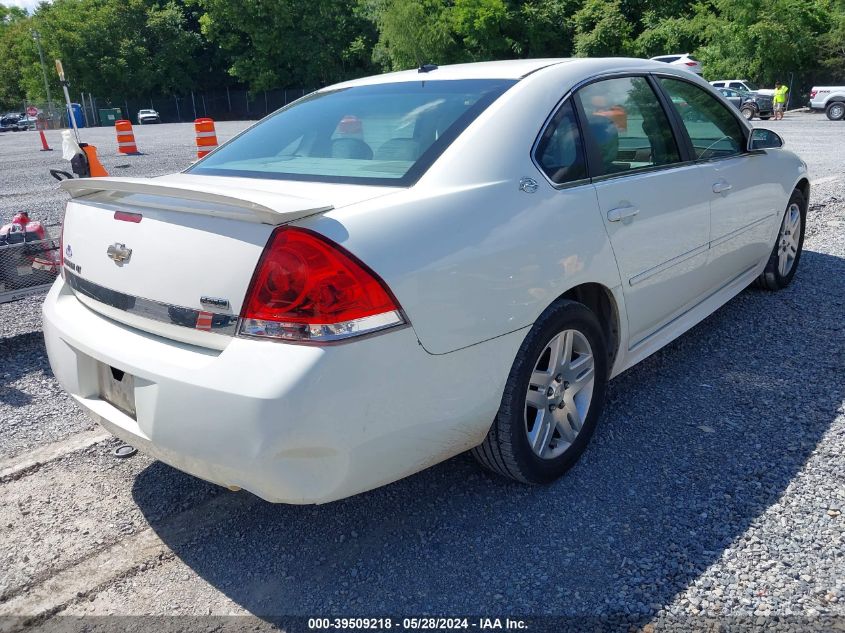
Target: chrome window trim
column 643, row 170
column 221, row 323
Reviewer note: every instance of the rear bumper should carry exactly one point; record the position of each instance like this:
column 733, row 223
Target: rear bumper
column 290, row 423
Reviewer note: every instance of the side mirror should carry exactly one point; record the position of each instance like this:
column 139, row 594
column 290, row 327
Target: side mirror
column 762, row 138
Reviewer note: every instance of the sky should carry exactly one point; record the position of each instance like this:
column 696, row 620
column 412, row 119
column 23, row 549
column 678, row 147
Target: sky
column 29, row 5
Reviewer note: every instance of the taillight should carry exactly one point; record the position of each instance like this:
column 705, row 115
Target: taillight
column 813, row 94
column 690, row 63
column 307, row 288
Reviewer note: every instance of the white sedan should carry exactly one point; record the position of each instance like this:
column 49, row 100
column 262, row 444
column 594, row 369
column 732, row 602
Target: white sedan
column 396, row 269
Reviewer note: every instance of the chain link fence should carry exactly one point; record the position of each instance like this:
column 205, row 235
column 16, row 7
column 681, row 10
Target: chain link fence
column 220, row 105
column 29, row 262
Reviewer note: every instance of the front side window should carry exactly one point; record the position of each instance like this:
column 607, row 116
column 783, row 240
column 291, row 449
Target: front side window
column 560, row 151
column 627, row 125
column 714, row 131
column 386, row 134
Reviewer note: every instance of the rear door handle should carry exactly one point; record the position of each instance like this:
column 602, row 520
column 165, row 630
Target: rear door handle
column 620, row 213
column 722, row 186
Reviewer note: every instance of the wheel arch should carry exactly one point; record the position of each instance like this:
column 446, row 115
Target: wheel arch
column 600, row 300
column 803, row 185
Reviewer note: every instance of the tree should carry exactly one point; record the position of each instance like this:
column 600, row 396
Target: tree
column 763, row 39
column 276, row 43
column 545, row 28
column 414, row 32
column 13, row 28
column 481, row 27
column 601, row 29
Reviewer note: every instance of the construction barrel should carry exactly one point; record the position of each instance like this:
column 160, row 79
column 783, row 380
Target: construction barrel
column 206, row 136
column 125, row 137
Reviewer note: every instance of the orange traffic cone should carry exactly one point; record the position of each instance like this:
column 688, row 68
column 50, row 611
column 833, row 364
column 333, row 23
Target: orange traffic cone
column 206, row 136
column 125, row 138
column 44, row 146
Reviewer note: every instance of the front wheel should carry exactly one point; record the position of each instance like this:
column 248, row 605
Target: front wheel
column 835, row 111
column 552, row 400
column 783, row 262
column 747, row 113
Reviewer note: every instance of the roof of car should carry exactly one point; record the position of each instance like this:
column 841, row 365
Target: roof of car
column 507, row 69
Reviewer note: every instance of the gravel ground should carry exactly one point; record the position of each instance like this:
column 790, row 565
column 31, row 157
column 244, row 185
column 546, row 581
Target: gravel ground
column 714, row 487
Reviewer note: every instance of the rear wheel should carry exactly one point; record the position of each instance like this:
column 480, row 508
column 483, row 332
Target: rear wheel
column 835, row 111
column 747, row 113
column 783, row 262
column 552, row 400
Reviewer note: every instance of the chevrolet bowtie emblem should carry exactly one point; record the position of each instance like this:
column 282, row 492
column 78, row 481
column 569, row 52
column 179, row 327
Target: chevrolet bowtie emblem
column 118, row 253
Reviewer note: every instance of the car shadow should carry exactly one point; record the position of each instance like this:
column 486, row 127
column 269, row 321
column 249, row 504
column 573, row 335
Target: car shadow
column 695, row 444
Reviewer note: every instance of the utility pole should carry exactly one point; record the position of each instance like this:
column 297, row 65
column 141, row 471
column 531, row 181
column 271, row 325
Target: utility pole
column 37, row 37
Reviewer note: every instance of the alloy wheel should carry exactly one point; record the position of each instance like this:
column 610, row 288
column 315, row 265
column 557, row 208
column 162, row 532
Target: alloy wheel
column 790, row 237
column 559, row 394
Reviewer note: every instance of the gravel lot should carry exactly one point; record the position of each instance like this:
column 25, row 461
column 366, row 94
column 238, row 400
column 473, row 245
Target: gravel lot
column 714, row 487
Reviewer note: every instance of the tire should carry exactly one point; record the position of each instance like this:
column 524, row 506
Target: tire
column 835, row 111
column 780, row 269
column 766, row 118
column 507, row 449
column 747, row 113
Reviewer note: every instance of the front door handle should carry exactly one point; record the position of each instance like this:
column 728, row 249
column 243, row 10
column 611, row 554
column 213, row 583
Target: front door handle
column 620, row 213
column 722, row 186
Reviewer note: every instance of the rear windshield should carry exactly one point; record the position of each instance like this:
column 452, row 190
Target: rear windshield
column 386, row 134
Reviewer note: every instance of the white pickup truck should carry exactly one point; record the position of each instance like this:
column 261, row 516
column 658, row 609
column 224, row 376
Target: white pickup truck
column 831, row 99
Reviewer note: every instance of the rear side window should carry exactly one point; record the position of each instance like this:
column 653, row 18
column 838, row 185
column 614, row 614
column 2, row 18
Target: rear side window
column 714, row 131
column 627, row 126
column 560, row 151
column 668, row 59
column 384, row 134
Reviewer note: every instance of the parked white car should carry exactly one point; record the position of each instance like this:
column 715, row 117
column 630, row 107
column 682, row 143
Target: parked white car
column 400, row 268
column 830, row 100
column 684, row 60
column 148, row 116
column 743, row 85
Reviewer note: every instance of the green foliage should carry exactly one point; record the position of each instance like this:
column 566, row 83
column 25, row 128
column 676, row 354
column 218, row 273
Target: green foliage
column 763, row 39
column 273, row 43
column 601, row 29
column 833, row 46
column 127, row 48
column 414, row 32
column 545, row 28
column 13, row 31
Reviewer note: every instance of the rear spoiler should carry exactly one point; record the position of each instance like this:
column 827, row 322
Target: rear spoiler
column 188, row 194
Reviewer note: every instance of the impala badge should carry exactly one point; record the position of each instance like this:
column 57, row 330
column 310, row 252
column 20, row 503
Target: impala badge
column 118, row 253
column 214, row 302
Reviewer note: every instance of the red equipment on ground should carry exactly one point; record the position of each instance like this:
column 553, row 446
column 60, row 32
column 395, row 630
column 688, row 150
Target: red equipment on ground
column 28, row 256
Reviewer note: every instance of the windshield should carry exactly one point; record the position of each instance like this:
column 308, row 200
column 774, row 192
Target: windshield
column 385, row 134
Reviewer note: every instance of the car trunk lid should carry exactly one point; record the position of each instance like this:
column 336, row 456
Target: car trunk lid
column 174, row 255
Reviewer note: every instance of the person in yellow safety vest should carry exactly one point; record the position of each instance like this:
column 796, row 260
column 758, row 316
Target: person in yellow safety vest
column 780, row 100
